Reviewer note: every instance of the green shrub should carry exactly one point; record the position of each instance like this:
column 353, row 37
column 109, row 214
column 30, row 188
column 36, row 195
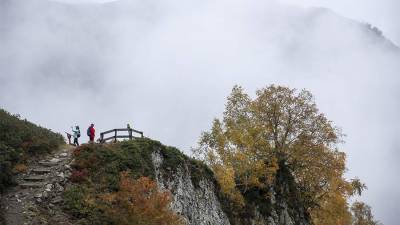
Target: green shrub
column 19, row 140
column 105, row 162
column 81, row 203
column 74, row 198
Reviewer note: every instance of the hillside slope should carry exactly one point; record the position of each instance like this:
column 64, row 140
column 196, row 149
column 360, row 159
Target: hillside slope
column 20, row 141
column 196, row 196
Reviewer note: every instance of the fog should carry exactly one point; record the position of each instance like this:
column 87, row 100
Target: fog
column 381, row 13
column 166, row 67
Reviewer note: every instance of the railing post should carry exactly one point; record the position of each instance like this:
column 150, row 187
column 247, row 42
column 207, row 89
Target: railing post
column 104, row 139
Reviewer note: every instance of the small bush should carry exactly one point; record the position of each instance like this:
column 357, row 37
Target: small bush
column 139, row 202
column 74, row 198
column 20, row 168
column 79, row 176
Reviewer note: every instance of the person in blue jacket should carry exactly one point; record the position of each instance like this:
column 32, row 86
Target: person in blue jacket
column 76, row 133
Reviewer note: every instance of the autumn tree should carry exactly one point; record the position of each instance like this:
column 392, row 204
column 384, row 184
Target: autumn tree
column 280, row 126
column 139, row 202
column 362, row 214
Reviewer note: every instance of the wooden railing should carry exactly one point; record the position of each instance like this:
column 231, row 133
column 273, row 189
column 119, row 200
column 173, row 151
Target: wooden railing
column 116, row 136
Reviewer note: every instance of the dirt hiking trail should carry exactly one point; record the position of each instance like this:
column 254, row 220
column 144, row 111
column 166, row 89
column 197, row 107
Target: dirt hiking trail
column 37, row 199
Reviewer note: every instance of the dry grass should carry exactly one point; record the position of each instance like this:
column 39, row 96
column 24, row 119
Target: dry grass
column 20, row 168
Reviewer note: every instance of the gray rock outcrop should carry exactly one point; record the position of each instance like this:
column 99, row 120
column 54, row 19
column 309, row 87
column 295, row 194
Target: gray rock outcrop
column 199, row 204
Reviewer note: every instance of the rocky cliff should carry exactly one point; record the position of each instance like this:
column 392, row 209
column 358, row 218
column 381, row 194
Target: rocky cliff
column 200, row 203
column 197, row 204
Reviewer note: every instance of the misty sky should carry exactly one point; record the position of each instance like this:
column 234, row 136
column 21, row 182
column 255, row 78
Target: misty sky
column 381, row 13
column 166, row 66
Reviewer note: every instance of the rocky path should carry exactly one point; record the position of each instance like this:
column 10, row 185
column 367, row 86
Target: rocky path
column 37, row 199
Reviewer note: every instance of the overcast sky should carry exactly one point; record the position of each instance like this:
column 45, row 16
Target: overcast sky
column 381, row 13
column 166, row 66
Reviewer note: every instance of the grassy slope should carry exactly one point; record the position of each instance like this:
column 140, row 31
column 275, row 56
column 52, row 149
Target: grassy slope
column 19, row 140
column 97, row 168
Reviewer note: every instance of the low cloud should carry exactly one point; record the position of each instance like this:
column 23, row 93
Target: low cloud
column 167, row 67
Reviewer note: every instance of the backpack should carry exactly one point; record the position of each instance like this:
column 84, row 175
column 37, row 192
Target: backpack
column 88, row 132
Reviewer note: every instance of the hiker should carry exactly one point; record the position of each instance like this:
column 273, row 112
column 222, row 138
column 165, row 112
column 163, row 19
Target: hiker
column 88, row 132
column 69, row 138
column 128, row 126
column 91, row 133
column 76, row 133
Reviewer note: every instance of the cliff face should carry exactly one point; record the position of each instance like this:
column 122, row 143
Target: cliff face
column 201, row 203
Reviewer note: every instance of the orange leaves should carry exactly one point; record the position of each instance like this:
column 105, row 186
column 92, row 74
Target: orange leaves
column 20, row 168
column 139, row 202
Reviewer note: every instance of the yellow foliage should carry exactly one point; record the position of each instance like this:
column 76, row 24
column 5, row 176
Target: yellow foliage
column 333, row 208
column 362, row 214
column 280, row 125
column 226, row 179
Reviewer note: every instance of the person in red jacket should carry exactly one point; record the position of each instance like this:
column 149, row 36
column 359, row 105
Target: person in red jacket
column 91, row 133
